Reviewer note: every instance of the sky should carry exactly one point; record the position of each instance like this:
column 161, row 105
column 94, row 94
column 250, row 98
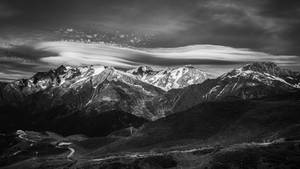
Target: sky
column 35, row 35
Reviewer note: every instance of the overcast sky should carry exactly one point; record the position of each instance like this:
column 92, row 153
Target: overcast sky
column 264, row 26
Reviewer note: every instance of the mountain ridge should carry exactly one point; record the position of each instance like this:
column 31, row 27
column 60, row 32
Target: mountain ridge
column 171, row 77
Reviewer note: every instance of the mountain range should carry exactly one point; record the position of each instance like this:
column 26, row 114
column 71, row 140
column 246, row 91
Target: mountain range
column 141, row 93
column 129, row 117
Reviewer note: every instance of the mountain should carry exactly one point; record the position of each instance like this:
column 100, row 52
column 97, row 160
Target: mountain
column 246, row 118
column 170, row 78
column 251, row 81
column 90, row 92
column 257, row 80
column 79, row 94
column 86, row 92
column 101, row 87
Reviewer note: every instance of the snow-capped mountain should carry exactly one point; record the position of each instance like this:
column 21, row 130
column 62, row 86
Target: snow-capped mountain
column 251, row 81
column 101, row 97
column 170, row 78
column 256, row 80
column 61, row 76
column 88, row 87
column 98, row 98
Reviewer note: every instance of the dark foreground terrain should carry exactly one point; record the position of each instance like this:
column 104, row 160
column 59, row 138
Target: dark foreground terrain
column 262, row 133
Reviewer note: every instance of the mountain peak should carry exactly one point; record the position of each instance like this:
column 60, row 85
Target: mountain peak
column 170, row 77
column 141, row 70
column 263, row 67
column 61, row 68
column 269, row 68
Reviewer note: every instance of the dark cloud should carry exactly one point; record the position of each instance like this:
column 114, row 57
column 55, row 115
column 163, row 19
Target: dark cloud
column 270, row 26
column 6, row 11
column 22, row 61
column 288, row 9
column 25, row 52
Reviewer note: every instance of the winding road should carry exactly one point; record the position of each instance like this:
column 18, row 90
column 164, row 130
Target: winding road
column 72, row 151
column 67, row 145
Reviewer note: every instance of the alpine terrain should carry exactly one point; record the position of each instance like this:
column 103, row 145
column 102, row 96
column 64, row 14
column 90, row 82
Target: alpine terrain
column 175, row 117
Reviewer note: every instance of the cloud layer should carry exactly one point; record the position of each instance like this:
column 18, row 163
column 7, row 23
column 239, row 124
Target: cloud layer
column 81, row 53
column 22, row 61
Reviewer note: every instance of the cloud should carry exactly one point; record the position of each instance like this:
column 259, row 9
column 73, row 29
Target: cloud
column 256, row 31
column 17, row 68
column 120, row 56
column 23, row 61
column 269, row 26
column 6, row 11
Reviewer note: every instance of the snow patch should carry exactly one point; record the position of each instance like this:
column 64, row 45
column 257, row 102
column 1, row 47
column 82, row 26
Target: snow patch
column 105, row 98
column 64, row 143
column 214, row 89
column 98, row 70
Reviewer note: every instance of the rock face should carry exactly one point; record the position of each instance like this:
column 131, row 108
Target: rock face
column 170, row 78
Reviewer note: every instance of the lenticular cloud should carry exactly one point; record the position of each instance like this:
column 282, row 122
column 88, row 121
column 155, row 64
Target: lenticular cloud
column 76, row 53
column 210, row 58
